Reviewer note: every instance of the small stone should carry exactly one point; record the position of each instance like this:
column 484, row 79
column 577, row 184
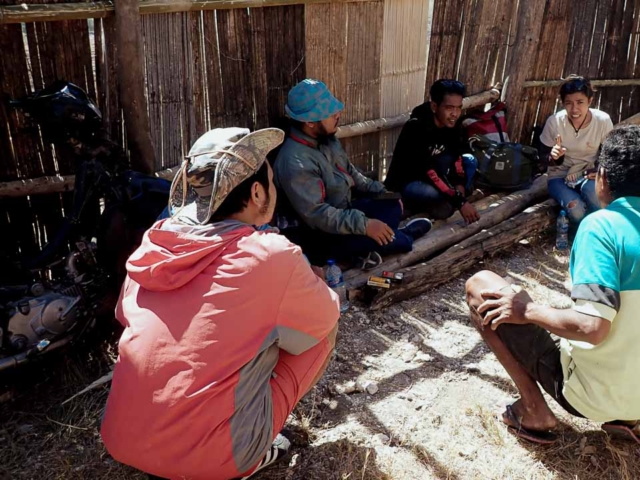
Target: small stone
column 381, row 438
column 405, row 338
column 367, row 387
column 416, row 339
column 409, row 355
column 333, row 404
column 438, row 318
column 346, row 389
column 25, row 428
column 590, row 450
column 594, row 461
column 372, row 388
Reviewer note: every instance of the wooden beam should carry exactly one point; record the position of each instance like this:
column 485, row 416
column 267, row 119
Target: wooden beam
column 131, row 85
column 634, row 120
column 27, row 13
column 421, row 278
column 450, row 234
column 626, row 82
column 57, row 184
column 530, row 14
column 372, row 126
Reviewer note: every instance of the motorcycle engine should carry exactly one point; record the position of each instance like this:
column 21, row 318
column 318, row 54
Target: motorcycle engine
column 52, row 311
column 41, row 318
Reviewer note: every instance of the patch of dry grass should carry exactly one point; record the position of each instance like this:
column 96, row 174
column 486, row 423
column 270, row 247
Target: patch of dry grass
column 435, row 410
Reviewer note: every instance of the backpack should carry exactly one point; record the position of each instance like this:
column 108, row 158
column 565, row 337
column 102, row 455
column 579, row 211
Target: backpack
column 491, row 124
column 504, row 165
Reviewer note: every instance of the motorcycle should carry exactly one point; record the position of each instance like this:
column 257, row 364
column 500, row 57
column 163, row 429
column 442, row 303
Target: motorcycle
column 51, row 301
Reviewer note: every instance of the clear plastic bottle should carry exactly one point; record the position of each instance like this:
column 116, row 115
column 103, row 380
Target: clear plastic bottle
column 334, row 278
column 562, row 231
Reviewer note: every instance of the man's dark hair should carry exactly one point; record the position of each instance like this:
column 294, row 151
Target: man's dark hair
column 239, row 197
column 444, row 87
column 576, row 84
column 620, row 158
column 297, row 124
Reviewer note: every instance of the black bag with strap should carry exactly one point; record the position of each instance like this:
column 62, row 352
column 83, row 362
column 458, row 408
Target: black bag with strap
column 504, row 165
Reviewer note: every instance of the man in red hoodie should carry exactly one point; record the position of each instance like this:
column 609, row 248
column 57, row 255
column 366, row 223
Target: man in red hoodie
column 226, row 325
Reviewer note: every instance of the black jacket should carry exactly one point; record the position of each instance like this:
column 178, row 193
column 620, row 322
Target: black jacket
column 428, row 154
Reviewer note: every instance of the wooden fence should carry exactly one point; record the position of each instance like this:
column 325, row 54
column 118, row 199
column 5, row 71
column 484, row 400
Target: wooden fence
column 216, row 66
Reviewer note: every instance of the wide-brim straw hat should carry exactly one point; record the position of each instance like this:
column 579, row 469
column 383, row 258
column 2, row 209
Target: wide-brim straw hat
column 218, row 162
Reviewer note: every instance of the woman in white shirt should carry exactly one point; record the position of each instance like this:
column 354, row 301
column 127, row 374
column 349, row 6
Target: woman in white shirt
column 573, row 137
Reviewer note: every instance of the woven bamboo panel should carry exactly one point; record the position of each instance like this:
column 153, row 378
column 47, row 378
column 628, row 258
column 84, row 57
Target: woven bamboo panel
column 404, row 64
column 344, row 49
column 33, row 56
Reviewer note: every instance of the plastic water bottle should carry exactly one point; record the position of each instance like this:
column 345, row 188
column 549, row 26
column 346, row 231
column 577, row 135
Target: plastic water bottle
column 335, row 280
column 562, row 231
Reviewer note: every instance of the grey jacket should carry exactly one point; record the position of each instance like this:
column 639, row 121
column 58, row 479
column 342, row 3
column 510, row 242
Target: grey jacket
column 317, row 179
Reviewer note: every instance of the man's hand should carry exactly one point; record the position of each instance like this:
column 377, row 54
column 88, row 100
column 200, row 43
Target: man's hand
column 469, row 213
column 319, row 271
column 558, row 150
column 504, row 307
column 379, row 231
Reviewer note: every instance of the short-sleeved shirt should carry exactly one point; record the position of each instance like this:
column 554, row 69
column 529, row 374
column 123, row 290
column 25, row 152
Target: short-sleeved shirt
column 601, row 381
column 582, row 150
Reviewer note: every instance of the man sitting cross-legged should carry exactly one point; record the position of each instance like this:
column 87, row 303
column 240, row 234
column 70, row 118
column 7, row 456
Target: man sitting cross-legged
column 592, row 371
column 320, row 182
column 226, row 325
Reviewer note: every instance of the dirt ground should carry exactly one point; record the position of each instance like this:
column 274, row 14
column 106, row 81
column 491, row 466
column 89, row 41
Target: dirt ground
column 432, row 416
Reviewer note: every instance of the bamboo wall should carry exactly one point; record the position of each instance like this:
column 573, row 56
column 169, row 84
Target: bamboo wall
column 217, row 68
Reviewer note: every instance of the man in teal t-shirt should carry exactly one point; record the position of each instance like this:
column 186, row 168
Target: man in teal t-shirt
column 592, row 370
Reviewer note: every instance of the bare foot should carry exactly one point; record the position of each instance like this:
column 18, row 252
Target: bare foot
column 538, row 419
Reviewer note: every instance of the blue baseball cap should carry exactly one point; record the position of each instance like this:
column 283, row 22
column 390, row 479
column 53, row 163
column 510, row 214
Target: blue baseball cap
column 311, row 101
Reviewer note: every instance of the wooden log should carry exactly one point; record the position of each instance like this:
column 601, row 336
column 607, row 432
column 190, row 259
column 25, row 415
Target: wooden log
column 634, row 120
column 530, row 14
column 450, row 234
column 421, row 278
column 626, row 82
column 372, row 126
column 36, row 186
column 131, row 85
column 27, row 13
column 57, row 184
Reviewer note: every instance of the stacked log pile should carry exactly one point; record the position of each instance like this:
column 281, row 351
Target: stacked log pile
column 453, row 246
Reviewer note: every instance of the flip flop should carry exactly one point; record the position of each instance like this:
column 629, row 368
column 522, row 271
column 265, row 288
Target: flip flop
column 540, row 437
column 622, row 430
column 371, row 261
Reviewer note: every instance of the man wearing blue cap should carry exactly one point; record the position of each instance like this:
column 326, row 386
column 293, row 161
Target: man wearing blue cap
column 314, row 172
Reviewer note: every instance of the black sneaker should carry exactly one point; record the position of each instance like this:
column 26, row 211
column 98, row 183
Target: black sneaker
column 417, row 228
column 279, row 448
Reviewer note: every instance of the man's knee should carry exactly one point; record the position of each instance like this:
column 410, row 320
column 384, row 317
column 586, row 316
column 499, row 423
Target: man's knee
column 576, row 210
column 483, row 280
column 469, row 161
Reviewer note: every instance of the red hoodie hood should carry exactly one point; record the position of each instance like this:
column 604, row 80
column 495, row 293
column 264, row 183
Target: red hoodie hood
column 169, row 258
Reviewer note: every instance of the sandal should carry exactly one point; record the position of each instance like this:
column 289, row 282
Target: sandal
column 540, row 437
column 372, row 261
column 623, row 430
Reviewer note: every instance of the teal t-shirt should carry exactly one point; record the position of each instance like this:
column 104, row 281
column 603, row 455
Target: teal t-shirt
column 601, row 381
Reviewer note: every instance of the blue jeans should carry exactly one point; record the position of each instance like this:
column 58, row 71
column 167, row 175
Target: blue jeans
column 583, row 196
column 425, row 196
column 320, row 246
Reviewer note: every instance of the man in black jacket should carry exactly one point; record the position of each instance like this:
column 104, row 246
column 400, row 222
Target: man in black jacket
column 431, row 166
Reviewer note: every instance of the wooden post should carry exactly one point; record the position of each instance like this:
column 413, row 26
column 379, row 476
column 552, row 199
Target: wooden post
column 529, row 14
column 131, row 85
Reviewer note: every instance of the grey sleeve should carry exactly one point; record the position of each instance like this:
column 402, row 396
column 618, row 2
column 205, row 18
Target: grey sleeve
column 306, row 193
